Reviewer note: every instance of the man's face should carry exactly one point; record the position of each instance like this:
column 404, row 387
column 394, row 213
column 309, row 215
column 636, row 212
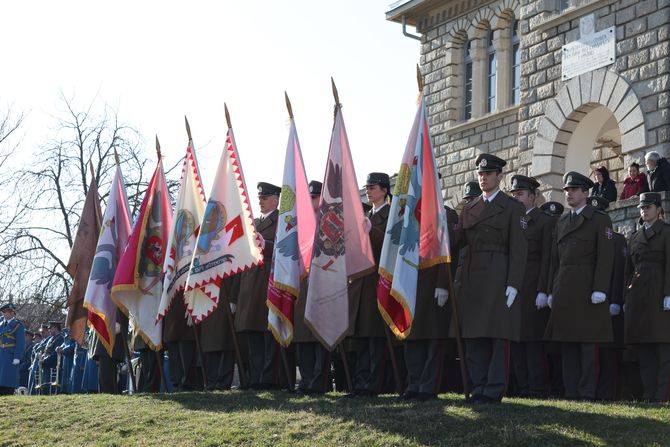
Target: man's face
column 7, row 314
column 268, row 203
column 633, row 171
column 44, row 332
column 649, row 213
column 599, row 177
column 575, row 197
column 651, row 164
column 315, row 203
column 489, row 180
column 53, row 330
column 524, row 196
column 375, row 193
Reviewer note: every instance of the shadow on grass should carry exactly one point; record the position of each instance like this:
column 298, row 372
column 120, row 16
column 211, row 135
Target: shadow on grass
column 449, row 421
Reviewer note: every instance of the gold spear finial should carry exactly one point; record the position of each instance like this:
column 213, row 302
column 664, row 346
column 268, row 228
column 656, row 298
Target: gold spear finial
column 225, row 109
column 288, row 105
column 116, row 158
column 188, row 128
column 335, row 95
column 158, row 148
column 419, row 78
column 90, row 165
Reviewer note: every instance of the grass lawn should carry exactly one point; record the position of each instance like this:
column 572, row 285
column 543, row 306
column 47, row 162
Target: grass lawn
column 275, row 418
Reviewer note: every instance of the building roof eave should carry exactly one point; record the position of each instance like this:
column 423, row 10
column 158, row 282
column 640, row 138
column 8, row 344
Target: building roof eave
column 411, row 9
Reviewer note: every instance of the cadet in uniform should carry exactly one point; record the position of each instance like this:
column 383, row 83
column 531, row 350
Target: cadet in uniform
column 217, row 344
column 647, row 316
column 179, row 341
column 369, row 326
column 66, row 351
column 12, row 341
column 492, row 235
column 50, row 366
column 580, row 317
column 107, row 365
column 528, row 356
column 26, row 359
column 313, row 358
column 249, row 294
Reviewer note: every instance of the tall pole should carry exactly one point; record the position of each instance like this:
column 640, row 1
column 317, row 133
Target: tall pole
column 223, row 295
column 459, row 339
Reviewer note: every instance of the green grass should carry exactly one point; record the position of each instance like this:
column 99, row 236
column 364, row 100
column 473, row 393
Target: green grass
column 275, row 418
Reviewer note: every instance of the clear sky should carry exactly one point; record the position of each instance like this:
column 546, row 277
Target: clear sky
column 156, row 61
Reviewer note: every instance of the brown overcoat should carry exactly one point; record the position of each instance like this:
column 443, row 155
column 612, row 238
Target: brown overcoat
column 250, row 291
column 493, row 251
column 174, row 322
column 648, row 270
column 584, row 258
column 301, row 333
column 215, row 334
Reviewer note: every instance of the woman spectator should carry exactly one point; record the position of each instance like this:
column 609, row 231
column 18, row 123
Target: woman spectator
column 604, row 186
column 635, row 184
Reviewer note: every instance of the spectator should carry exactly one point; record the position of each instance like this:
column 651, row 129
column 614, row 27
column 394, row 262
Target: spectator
column 635, row 184
column 658, row 172
column 604, row 186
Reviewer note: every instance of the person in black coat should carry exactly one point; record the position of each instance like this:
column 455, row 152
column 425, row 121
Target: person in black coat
column 604, row 186
column 658, row 172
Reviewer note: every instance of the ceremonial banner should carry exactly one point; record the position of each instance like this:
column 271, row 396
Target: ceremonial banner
column 138, row 282
column 111, row 243
column 341, row 245
column 81, row 258
column 293, row 243
column 189, row 211
column 416, row 233
column 227, row 242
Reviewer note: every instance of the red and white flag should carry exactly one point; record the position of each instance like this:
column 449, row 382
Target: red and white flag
column 341, row 248
column 189, row 210
column 113, row 239
column 138, row 282
column 227, row 242
column 292, row 253
column 416, row 236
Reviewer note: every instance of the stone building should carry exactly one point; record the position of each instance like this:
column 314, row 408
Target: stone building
column 495, row 82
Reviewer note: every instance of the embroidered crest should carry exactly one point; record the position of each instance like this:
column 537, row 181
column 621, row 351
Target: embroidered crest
column 467, row 189
column 483, row 162
column 552, row 207
column 524, row 223
column 609, row 233
column 260, row 189
column 594, row 202
column 569, row 179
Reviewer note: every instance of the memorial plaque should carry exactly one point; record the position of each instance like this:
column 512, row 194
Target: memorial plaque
column 590, row 52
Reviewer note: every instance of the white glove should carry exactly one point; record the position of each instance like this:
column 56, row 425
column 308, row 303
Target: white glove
column 510, row 292
column 117, row 328
column 550, row 300
column 367, row 224
column 189, row 320
column 598, row 297
column 441, row 295
column 541, row 300
column 59, row 350
column 615, row 309
column 666, row 303
column 233, row 308
column 262, row 239
column 16, row 362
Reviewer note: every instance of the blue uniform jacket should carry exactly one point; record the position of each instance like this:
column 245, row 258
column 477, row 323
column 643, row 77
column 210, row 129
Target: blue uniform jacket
column 12, row 343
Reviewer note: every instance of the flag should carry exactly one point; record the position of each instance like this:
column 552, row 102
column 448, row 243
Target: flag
column 342, row 247
column 81, row 258
column 227, row 242
column 111, row 243
column 416, row 232
column 138, row 282
column 189, row 210
column 292, row 253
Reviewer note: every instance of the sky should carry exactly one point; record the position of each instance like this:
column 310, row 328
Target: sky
column 157, row 61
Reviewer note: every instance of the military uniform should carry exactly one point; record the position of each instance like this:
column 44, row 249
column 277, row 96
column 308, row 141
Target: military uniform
column 12, row 342
column 50, row 364
column 26, row 360
column 647, row 318
column 217, row 345
column 107, row 365
column 528, row 356
column 179, row 341
column 67, row 352
column 494, row 260
column 583, row 259
column 249, row 293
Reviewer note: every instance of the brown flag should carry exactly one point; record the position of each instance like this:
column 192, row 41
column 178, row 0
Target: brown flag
column 81, row 259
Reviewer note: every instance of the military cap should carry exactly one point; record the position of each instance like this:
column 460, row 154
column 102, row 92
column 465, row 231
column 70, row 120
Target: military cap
column 315, row 188
column 471, row 189
column 553, row 208
column 378, row 178
column 489, row 162
column 268, row 189
column 650, row 198
column 599, row 202
column 522, row 182
column 8, row 306
column 56, row 323
column 574, row 179
column 30, row 333
column 45, row 326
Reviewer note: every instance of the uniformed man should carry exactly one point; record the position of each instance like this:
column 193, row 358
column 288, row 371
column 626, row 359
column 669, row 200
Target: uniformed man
column 50, row 364
column 66, row 351
column 471, row 191
column 108, row 365
column 491, row 233
column 12, row 342
column 179, row 341
column 610, row 353
column 217, row 345
column 580, row 317
column 647, row 316
column 249, row 293
column 554, row 209
column 26, row 359
column 313, row 359
column 40, row 342
column 528, row 356
column 368, row 335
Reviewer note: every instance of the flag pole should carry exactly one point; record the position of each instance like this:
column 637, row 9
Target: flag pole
column 345, row 365
column 126, row 349
column 161, row 371
column 188, row 129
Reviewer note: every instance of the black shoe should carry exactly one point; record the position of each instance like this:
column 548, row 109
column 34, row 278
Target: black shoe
column 489, row 400
column 423, row 397
column 354, row 394
column 409, row 395
column 473, row 399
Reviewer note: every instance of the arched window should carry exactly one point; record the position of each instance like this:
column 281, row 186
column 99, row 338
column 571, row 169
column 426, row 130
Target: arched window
column 467, row 85
column 516, row 64
column 491, row 74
